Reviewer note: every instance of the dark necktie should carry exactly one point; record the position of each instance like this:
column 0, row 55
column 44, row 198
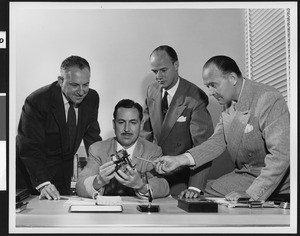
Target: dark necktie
column 164, row 104
column 71, row 124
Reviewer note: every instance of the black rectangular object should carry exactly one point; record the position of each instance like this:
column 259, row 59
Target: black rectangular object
column 146, row 208
column 197, row 205
column 22, row 194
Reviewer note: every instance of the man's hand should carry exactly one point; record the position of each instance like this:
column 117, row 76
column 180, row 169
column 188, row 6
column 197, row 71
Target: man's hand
column 130, row 179
column 235, row 195
column 49, row 192
column 166, row 164
column 189, row 193
column 106, row 173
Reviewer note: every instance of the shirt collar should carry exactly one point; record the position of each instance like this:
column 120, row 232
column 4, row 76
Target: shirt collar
column 172, row 90
column 64, row 99
column 129, row 150
column 240, row 92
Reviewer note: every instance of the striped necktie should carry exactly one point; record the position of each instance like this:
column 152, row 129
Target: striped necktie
column 164, row 104
column 71, row 123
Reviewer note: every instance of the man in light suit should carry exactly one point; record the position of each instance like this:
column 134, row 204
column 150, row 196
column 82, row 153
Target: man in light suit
column 186, row 122
column 254, row 127
column 100, row 175
column 45, row 152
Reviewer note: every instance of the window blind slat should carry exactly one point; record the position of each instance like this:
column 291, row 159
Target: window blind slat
column 272, row 76
column 267, row 65
column 270, row 56
column 268, row 35
column 268, row 22
column 266, row 42
column 278, row 44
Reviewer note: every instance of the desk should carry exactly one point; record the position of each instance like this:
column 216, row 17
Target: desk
column 54, row 213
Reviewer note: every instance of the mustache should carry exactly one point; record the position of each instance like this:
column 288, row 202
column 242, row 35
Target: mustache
column 126, row 133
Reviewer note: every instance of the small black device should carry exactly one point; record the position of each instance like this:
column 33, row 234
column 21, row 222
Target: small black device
column 243, row 200
column 197, row 205
column 148, row 208
column 121, row 160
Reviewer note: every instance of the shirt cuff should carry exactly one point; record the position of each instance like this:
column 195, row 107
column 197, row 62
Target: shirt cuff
column 88, row 184
column 195, row 189
column 142, row 195
column 190, row 157
column 42, row 185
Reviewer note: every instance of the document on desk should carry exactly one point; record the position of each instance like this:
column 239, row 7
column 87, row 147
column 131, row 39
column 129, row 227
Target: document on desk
column 100, row 204
column 80, row 201
column 96, row 208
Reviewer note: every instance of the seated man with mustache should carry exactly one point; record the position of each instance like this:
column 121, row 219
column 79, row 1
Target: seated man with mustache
column 103, row 176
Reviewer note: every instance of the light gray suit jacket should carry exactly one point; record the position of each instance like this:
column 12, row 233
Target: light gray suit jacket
column 101, row 152
column 186, row 125
column 257, row 137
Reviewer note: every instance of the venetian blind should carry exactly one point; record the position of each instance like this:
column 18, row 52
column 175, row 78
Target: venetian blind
column 267, row 47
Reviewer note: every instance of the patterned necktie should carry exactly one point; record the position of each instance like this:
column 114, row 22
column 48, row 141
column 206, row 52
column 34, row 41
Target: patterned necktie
column 71, row 123
column 164, row 104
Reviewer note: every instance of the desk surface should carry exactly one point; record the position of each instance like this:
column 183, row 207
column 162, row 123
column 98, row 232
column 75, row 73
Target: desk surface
column 54, row 213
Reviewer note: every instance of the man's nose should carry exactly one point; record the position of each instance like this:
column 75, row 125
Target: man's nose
column 126, row 127
column 81, row 90
column 211, row 91
column 159, row 75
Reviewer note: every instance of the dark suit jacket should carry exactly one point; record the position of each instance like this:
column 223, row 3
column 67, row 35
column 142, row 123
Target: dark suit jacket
column 42, row 141
column 101, row 152
column 186, row 125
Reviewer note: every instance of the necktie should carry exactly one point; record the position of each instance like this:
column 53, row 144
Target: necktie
column 164, row 104
column 71, row 124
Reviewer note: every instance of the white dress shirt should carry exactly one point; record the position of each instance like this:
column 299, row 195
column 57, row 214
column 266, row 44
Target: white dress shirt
column 171, row 92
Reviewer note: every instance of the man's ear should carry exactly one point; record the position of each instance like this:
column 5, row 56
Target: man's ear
column 114, row 125
column 142, row 125
column 176, row 65
column 60, row 80
column 233, row 78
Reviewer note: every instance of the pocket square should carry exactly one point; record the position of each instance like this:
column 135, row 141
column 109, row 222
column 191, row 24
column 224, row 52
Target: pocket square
column 181, row 119
column 248, row 128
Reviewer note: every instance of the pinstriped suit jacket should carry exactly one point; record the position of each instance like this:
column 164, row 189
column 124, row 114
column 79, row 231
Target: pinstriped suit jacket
column 257, row 137
column 186, row 125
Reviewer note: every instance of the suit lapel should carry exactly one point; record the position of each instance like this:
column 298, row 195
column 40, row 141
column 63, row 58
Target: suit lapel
column 137, row 152
column 59, row 114
column 113, row 148
column 155, row 105
column 234, row 125
column 175, row 110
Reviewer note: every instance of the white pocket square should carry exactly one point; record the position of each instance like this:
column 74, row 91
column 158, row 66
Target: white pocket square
column 181, row 119
column 248, row 128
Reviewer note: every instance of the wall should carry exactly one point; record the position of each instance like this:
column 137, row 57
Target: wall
column 117, row 44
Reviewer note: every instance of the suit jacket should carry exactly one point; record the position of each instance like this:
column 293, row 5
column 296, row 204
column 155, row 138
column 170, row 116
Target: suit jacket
column 42, row 140
column 257, row 137
column 101, row 152
column 186, row 125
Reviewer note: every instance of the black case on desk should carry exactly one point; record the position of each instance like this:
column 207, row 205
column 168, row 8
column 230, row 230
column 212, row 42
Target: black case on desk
column 197, row 205
column 22, row 194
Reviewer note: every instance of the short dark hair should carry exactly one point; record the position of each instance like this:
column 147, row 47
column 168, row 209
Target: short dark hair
column 225, row 64
column 80, row 62
column 169, row 50
column 127, row 103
